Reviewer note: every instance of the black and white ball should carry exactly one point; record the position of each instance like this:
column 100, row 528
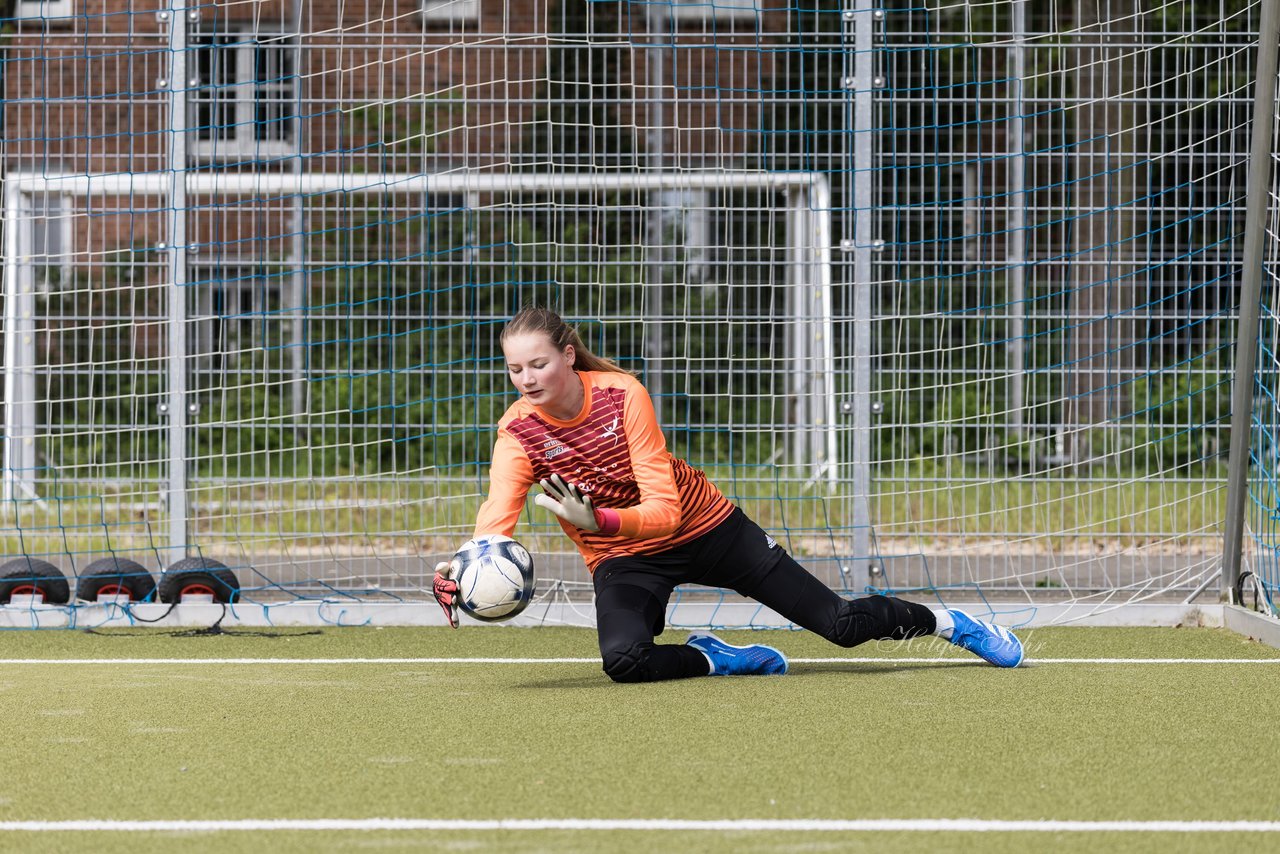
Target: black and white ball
column 495, row 577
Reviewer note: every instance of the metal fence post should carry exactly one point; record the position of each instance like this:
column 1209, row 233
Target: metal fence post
column 653, row 303
column 1257, row 198
column 176, row 400
column 863, row 82
column 1017, row 250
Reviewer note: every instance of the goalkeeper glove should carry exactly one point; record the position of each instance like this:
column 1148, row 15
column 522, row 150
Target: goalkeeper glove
column 567, row 502
column 445, row 590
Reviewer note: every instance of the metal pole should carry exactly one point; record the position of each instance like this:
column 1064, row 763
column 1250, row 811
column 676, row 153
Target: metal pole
column 298, row 318
column 818, row 261
column 176, row 402
column 1257, row 193
column 863, row 141
column 298, row 277
column 1017, row 258
column 12, row 220
column 799, row 417
column 277, row 186
column 19, row 347
column 659, row 26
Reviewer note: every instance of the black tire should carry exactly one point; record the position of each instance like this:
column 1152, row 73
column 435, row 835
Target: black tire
column 115, row 575
column 199, row 574
column 25, row 575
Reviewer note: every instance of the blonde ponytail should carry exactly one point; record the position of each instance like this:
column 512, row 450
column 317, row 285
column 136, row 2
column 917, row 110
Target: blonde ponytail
column 536, row 319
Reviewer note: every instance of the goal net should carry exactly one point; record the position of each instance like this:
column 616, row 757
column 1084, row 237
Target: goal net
column 940, row 294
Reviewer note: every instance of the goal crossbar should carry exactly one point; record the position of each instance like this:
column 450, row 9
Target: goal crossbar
column 206, row 183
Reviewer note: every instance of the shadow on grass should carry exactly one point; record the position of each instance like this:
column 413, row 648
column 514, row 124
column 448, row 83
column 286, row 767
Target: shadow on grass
column 860, row 668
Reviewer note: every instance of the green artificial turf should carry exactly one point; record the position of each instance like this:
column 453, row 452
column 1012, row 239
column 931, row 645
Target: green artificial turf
column 948, row 738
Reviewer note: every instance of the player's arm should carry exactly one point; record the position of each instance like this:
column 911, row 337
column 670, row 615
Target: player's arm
column 510, row 476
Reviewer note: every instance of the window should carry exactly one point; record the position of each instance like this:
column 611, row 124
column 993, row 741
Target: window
column 36, row 9
column 701, row 9
column 243, row 93
column 450, row 10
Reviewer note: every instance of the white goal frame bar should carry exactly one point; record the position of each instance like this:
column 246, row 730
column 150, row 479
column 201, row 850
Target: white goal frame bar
column 736, row 614
column 809, row 278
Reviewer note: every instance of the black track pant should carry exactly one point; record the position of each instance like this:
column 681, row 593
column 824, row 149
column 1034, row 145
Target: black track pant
column 632, row 594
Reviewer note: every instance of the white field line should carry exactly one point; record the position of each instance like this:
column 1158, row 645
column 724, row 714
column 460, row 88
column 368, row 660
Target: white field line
column 921, row 660
column 947, row 825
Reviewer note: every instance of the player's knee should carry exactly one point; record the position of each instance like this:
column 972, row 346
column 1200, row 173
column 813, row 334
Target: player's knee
column 849, row 628
column 627, row 664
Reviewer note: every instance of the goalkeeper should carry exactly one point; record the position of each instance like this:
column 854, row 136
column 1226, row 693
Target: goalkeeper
column 585, row 431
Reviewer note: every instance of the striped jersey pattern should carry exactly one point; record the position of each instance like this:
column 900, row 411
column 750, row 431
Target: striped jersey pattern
column 612, row 451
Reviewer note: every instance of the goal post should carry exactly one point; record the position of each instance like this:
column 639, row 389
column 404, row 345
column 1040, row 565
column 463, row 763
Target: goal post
column 811, row 420
column 1252, row 498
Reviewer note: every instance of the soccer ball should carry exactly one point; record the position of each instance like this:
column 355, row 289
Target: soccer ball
column 495, row 577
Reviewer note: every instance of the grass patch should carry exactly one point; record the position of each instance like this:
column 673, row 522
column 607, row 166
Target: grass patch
column 887, row 739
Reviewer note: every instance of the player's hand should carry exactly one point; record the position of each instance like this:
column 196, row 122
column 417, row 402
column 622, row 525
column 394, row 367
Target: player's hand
column 567, row 502
column 445, row 590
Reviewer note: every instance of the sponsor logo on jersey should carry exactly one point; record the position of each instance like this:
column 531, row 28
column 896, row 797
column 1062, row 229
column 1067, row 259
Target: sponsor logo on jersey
column 770, row 541
column 555, row 448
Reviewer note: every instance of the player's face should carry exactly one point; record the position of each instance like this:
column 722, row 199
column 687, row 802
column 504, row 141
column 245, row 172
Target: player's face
column 542, row 373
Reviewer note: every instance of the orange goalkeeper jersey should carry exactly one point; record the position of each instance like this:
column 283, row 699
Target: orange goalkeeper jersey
column 614, row 451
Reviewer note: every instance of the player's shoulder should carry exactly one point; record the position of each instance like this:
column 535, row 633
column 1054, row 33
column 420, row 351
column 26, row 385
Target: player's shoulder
column 614, row 379
column 517, row 411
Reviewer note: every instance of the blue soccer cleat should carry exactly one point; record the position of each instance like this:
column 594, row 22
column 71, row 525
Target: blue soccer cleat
column 995, row 644
column 729, row 660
